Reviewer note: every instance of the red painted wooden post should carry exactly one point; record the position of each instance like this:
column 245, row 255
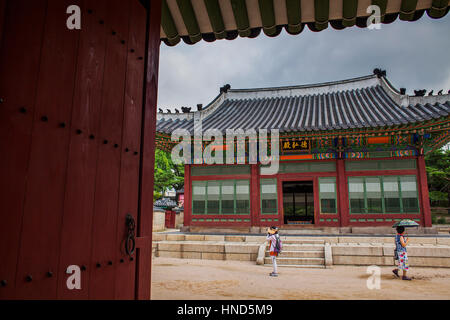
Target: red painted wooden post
column 316, row 195
column 129, row 175
column 254, row 195
column 187, row 195
column 19, row 64
column 342, row 193
column 280, row 202
column 83, row 152
column 145, row 214
column 424, row 197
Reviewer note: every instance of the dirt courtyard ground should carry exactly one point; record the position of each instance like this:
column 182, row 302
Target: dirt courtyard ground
column 188, row 279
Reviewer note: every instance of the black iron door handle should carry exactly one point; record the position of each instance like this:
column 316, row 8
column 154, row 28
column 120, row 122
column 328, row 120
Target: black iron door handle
column 130, row 243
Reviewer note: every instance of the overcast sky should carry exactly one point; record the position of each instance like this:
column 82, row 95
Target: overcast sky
column 416, row 55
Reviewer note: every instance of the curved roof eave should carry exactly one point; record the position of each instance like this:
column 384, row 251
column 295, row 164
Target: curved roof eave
column 194, row 20
column 405, row 100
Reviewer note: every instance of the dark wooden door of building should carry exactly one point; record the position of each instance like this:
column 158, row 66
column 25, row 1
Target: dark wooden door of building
column 71, row 119
column 298, row 202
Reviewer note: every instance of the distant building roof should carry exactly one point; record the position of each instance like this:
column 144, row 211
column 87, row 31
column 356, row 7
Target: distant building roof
column 158, row 209
column 165, row 203
column 363, row 102
column 180, row 190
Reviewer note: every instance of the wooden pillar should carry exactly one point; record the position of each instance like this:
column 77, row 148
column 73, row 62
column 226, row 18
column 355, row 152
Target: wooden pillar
column 342, row 193
column 254, row 195
column 423, row 191
column 145, row 212
column 280, row 202
column 187, row 195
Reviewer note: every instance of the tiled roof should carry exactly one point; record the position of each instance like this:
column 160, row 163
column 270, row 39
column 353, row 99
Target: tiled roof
column 363, row 102
column 210, row 20
column 165, row 203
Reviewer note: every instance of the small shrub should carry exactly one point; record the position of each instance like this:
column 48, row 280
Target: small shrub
column 441, row 221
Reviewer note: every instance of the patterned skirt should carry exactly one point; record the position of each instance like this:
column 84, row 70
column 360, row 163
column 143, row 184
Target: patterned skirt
column 403, row 261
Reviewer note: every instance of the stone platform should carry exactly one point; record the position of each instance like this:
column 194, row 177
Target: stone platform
column 318, row 251
column 315, row 230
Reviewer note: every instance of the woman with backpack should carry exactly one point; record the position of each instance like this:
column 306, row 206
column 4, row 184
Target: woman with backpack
column 275, row 247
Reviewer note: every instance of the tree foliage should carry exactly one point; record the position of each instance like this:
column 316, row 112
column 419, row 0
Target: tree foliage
column 167, row 175
column 438, row 175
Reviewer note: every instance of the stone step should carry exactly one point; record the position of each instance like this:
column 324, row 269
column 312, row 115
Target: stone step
column 302, row 241
column 296, row 261
column 299, row 266
column 302, row 247
column 300, row 254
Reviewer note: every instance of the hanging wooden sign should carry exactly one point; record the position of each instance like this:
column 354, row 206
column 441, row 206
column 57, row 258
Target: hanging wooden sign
column 295, row 145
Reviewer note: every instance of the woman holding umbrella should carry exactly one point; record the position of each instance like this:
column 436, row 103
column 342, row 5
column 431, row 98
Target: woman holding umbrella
column 400, row 247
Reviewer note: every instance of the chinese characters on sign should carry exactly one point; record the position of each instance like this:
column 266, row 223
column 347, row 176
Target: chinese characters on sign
column 294, row 145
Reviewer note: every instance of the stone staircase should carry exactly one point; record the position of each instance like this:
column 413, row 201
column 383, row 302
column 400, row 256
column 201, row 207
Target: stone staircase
column 443, row 229
column 300, row 253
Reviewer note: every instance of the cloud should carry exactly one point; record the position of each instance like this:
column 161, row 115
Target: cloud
column 415, row 55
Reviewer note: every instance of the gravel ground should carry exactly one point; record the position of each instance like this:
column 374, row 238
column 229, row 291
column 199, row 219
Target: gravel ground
column 189, row 279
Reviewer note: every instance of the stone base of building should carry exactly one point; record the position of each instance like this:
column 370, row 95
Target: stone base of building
column 306, row 231
column 322, row 251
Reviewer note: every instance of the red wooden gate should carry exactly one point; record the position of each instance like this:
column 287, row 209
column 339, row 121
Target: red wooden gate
column 170, row 219
column 72, row 158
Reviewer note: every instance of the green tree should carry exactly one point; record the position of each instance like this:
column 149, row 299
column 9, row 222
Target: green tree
column 438, row 175
column 167, row 175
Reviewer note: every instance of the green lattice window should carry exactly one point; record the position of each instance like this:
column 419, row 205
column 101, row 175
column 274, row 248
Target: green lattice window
column 220, row 170
column 363, row 165
column 198, row 197
column 221, row 197
column 408, row 186
column 269, row 197
column 327, row 195
column 385, row 194
column 297, row 167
